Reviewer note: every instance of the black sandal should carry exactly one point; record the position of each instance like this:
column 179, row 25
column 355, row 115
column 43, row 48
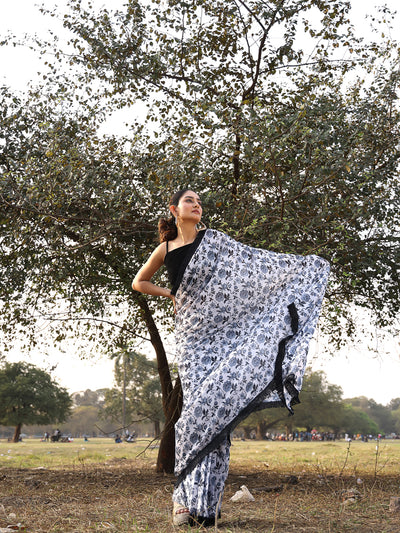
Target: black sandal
column 205, row 521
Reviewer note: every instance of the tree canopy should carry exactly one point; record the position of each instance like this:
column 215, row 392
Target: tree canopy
column 320, row 403
column 29, row 396
column 292, row 150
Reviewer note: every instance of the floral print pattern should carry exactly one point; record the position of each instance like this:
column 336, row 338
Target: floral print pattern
column 201, row 491
column 232, row 312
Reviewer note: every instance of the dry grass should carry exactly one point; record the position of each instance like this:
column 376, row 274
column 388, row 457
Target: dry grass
column 298, row 487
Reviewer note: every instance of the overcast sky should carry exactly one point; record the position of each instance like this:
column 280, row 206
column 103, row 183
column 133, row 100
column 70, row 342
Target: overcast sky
column 357, row 369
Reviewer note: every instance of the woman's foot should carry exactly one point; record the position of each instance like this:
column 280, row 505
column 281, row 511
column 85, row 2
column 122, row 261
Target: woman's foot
column 180, row 514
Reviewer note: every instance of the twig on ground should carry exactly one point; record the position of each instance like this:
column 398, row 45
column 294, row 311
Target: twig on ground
column 346, row 459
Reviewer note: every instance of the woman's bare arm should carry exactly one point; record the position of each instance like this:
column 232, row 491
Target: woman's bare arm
column 142, row 279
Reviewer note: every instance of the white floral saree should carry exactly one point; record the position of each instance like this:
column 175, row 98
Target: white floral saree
column 244, row 320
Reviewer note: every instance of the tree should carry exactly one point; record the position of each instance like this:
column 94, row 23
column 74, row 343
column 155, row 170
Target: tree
column 289, row 152
column 396, row 418
column 380, row 414
column 28, row 395
column 139, row 385
column 394, row 407
column 320, row 407
column 82, row 421
column 89, row 398
column 262, row 421
column 394, row 404
column 261, row 126
column 355, row 421
column 320, row 403
column 122, row 359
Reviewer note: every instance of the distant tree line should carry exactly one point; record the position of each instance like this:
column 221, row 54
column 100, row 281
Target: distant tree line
column 324, row 409
column 134, row 404
column 86, row 419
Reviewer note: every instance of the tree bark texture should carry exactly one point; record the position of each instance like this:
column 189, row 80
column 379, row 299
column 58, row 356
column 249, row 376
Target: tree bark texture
column 17, row 433
column 171, row 394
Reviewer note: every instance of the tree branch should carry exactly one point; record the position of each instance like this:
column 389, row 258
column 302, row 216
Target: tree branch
column 266, row 31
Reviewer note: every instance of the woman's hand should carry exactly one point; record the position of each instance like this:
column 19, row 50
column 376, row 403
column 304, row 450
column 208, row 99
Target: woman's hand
column 172, row 296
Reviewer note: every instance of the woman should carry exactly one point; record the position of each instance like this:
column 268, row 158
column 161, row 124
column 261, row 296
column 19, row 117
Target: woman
column 244, row 319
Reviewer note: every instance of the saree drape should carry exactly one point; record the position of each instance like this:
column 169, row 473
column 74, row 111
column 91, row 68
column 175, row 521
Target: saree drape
column 244, row 320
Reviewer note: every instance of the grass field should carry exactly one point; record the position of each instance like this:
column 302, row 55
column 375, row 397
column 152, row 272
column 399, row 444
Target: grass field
column 103, row 486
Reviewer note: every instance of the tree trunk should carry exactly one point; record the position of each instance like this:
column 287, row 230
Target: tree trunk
column 17, row 433
column 124, row 394
column 261, row 430
column 157, row 430
column 171, row 395
column 247, row 431
column 166, row 452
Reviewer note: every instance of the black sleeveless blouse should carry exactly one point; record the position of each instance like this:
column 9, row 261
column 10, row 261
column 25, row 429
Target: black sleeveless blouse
column 177, row 260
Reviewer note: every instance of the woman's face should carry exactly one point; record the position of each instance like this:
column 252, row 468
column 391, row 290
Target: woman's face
column 188, row 208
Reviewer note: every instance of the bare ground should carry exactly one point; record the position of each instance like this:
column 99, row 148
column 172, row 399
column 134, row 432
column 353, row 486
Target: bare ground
column 129, row 496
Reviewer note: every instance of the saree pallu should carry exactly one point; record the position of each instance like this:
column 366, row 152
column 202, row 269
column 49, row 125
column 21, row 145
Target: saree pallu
column 244, row 319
